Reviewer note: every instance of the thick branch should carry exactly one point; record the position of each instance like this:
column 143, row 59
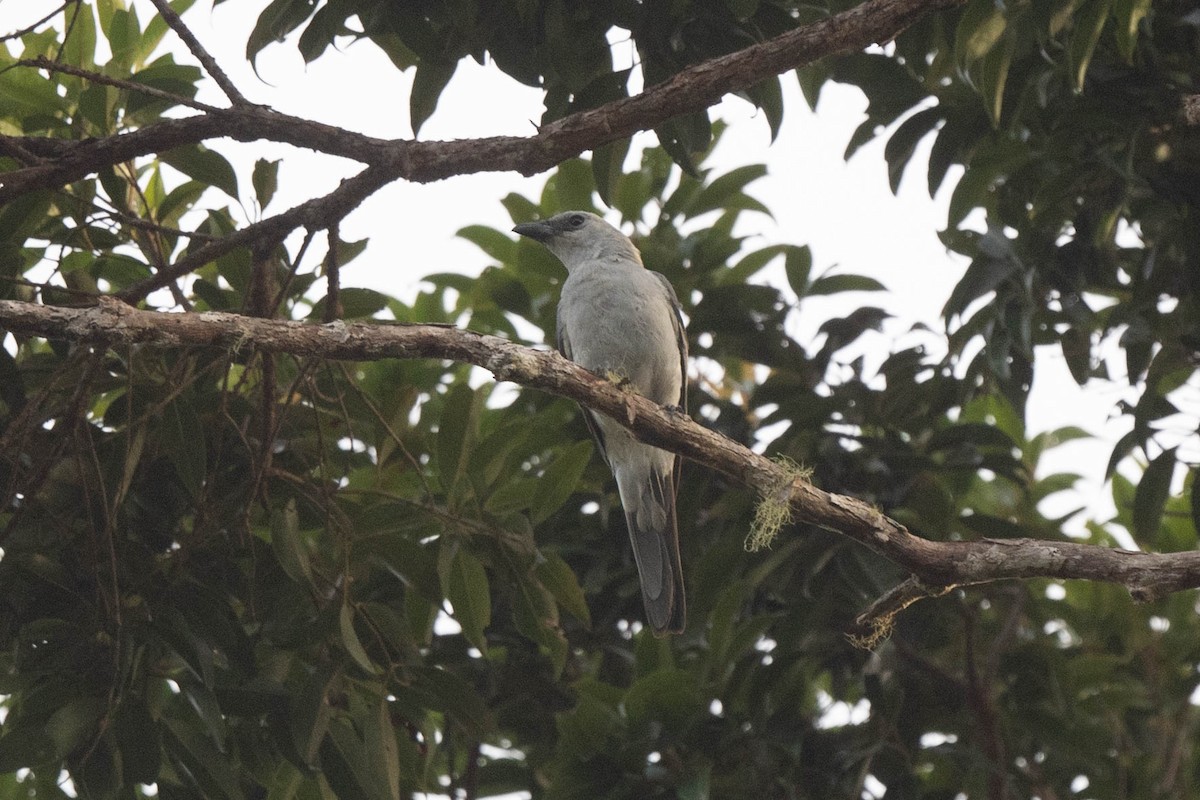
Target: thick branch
column 935, row 565
column 699, row 86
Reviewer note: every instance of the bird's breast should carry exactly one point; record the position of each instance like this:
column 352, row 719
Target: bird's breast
column 621, row 321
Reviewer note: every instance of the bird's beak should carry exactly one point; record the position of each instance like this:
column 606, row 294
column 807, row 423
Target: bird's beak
column 538, row 231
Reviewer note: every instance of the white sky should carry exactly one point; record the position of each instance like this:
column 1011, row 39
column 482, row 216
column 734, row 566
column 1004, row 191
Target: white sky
column 844, row 211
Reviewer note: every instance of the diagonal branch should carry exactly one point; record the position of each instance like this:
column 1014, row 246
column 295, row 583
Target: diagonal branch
column 206, row 60
column 696, row 87
column 315, row 214
column 935, row 566
column 42, row 62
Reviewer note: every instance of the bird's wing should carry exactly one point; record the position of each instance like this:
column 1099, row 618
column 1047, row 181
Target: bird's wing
column 680, row 336
column 681, row 340
column 564, row 347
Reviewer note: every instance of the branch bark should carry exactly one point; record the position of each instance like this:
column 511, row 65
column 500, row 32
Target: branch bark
column 936, row 567
column 699, row 86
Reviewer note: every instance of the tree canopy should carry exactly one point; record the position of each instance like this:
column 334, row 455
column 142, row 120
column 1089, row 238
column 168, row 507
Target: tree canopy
column 286, row 542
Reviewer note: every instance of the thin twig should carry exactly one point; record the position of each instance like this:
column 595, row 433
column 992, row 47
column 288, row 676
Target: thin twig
column 317, row 213
column 333, row 289
column 70, row 27
column 36, row 25
column 41, row 62
column 207, row 61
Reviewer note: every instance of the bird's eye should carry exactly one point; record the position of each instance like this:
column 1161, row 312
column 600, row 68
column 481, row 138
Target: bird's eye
column 576, row 220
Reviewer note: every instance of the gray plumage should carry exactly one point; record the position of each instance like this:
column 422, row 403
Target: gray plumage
column 617, row 317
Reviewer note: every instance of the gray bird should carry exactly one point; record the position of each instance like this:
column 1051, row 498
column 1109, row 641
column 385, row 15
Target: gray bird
column 618, row 318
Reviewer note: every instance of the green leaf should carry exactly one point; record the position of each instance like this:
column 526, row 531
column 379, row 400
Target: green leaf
column 174, row 630
column 442, row 690
column 584, row 732
column 984, row 275
column 571, row 186
column 458, row 429
column 430, row 79
column 176, row 79
column 833, row 284
column 310, row 712
column 182, row 436
column 465, row 584
column 515, row 495
column 12, row 385
column 124, row 35
column 558, row 577
column 768, row 96
column 1151, row 497
column 667, row 696
column 559, row 480
column 797, row 266
column 684, row 138
column 326, row 25
column 347, row 765
column 204, row 165
column 22, row 747
column 903, row 142
column 750, row 265
column 139, row 740
column 980, row 27
column 1121, row 449
column 991, row 76
column 276, row 21
column 285, row 782
column 812, row 79
column 27, row 94
column 210, row 769
column 491, row 241
column 1129, row 15
column 265, row 180
column 380, row 748
column 288, row 544
column 536, row 616
column 608, row 163
column 156, row 28
column 351, row 642
column 80, row 49
column 356, row 303
column 1089, row 22
column 714, row 195
column 413, row 561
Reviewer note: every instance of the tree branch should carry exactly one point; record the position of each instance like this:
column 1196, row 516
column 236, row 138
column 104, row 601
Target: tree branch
column 314, row 214
column 935, row 566
column 697, row 87
column 206, row 60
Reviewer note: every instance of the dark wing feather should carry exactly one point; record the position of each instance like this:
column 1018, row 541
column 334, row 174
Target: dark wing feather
column 681, row 340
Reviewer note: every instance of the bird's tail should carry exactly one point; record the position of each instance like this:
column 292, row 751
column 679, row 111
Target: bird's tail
column 653, row 530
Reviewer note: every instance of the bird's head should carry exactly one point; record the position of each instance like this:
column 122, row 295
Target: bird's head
column 580, row 237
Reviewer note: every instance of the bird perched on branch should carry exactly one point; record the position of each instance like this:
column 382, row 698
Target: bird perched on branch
column 619, row 319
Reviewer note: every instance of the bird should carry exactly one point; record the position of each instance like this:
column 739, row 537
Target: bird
column 619, row 319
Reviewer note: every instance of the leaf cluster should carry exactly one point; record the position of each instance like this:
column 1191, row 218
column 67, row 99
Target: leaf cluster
column 232, row 575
